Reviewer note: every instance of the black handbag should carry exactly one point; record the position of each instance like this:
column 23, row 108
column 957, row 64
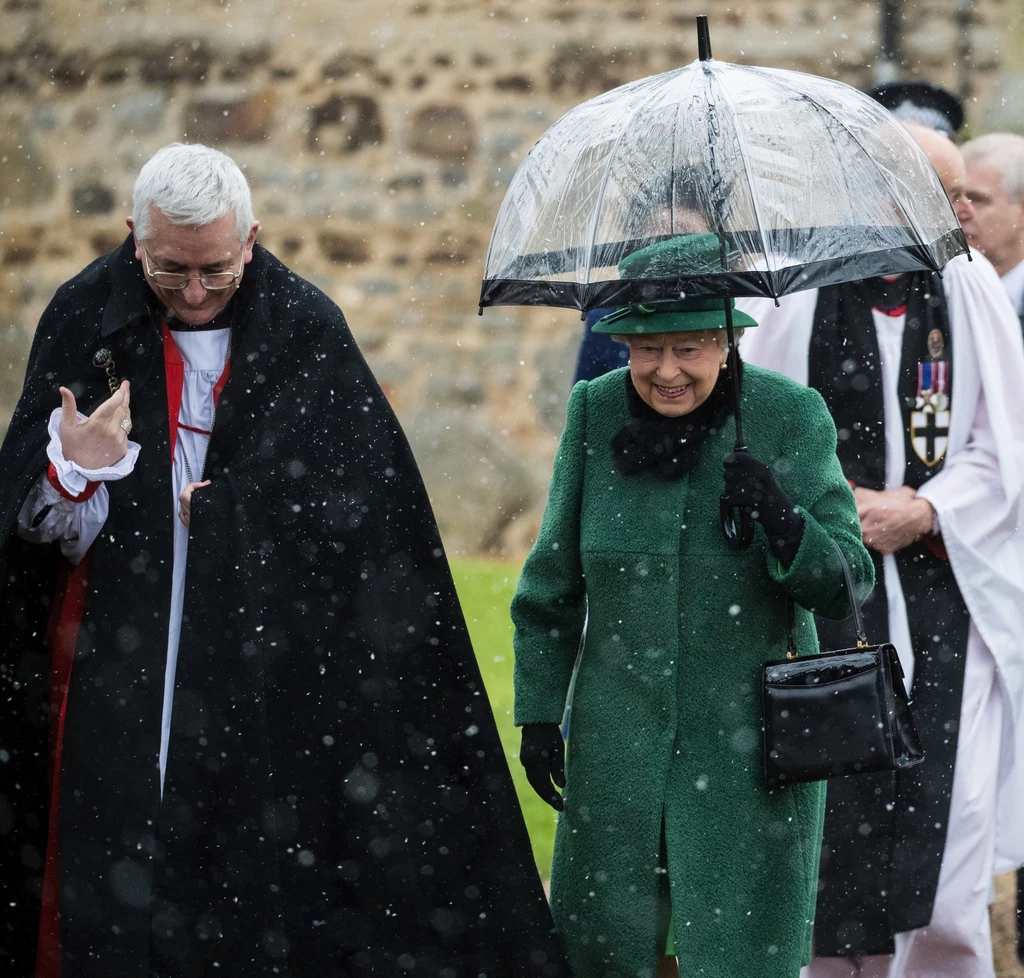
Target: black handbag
column 837, row 713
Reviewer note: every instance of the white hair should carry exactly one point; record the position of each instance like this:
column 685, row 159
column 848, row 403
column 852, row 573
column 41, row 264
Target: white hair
column 1004, row 152
column 191, row 185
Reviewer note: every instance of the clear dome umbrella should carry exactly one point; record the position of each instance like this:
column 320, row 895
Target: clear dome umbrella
column 806, row 182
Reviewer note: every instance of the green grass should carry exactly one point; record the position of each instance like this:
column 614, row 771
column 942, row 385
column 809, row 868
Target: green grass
column 485, row 590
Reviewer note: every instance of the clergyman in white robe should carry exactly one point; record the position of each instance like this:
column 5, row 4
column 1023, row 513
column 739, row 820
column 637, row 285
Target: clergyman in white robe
column 978, row 501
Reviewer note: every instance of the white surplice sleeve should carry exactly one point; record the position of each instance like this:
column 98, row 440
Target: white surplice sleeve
column 782, row 337
column 972, row 477
column 980, row 504
column 47, row 515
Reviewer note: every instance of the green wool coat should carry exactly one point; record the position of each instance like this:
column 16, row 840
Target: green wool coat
column 666, row 712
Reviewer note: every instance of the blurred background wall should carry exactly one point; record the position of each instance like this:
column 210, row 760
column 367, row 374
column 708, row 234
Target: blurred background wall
column 379, row 137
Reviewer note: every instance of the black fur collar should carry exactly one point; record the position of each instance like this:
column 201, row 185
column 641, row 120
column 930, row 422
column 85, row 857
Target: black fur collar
column 669, row 447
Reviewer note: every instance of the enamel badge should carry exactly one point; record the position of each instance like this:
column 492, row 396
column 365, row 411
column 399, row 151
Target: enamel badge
column 929, row 434
column 933, row 386
column 929, row 423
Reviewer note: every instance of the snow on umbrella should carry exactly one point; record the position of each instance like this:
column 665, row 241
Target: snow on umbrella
column 806, row 182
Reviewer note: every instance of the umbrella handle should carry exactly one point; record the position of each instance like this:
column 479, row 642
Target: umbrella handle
column 737, row 524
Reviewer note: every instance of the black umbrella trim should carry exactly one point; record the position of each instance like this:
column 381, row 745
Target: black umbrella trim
column 522, row 291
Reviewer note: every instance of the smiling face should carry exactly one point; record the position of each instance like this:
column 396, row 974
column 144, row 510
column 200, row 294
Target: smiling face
column 676, row 372
column 193, row 251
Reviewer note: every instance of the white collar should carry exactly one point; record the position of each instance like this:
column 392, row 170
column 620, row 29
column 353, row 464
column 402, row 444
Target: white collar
column 202, row 349
column 1013, row 282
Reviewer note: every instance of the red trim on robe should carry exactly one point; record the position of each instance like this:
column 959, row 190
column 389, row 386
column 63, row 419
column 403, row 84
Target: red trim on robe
column 893, row 313
column 85, row 495
column 174, row 367
column 218, row 388
column 196, row 431
column 62, row 636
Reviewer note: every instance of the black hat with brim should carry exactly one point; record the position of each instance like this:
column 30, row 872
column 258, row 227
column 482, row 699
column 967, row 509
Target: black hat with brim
column 920, row 101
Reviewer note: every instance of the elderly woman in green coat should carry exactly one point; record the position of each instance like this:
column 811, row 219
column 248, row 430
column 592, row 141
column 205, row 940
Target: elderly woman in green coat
column 669, row 844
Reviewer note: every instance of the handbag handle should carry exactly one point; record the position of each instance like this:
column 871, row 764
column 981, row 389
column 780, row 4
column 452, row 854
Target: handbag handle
column 858, row 615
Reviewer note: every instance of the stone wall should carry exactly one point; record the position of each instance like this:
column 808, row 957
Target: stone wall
column 379, row 138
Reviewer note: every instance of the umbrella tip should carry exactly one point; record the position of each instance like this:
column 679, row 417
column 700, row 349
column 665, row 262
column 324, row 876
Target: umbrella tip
column 703, row 38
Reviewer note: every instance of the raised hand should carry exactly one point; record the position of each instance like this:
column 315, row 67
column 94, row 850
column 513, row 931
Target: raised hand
column 101, row 439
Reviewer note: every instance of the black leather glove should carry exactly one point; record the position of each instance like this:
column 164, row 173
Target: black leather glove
column 542, row 754
column 749, row 483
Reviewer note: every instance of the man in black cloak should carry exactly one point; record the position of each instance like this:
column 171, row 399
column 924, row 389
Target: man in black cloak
column 242, row 730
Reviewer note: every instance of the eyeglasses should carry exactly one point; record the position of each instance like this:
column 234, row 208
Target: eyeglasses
column 211, row 281
column 652, row 353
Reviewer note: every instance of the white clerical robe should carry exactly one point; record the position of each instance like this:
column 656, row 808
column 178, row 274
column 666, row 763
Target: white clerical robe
column 1013, row 283
column 76, row 525
column 979, row 501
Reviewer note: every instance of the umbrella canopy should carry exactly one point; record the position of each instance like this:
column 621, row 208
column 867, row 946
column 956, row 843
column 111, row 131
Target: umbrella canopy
column 807, row 182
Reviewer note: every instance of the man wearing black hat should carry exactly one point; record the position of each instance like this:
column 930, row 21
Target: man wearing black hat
column 922, row 103
column 917, row 372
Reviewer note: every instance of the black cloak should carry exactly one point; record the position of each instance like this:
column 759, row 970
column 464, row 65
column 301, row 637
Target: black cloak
column 337, row 802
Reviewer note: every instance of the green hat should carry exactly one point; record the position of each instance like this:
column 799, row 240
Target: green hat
column 683, row 255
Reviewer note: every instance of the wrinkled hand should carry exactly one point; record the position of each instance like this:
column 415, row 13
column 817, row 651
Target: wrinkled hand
column 542, row 754
column 892, row 519
column 185, row 499
column 99, row 440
